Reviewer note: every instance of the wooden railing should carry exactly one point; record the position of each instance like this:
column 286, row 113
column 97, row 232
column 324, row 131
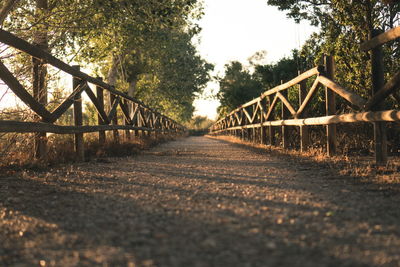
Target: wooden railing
column 255, row 120
column 138, row 117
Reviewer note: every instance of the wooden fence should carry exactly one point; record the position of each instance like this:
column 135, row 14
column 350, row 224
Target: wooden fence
column 138, row 117
column 256, row 121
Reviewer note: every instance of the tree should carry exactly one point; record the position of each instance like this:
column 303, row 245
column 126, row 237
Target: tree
column 344, row 25
column 236, row 88
column 132, row 43
column 199, row 123
column 6, row 8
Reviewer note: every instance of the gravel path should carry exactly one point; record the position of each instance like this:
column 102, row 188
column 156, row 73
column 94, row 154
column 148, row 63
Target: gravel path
column 197, row 202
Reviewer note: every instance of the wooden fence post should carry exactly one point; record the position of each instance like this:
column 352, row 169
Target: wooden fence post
column 330, row 105
column 155, row 119
column 135, row 119
column 126, row 122
column 285, row 115
column 100, row 98
column 249, row 132
column 271, row 129
column 304, row 133
column 40, row 94
column 114, row 120
column 262, row 128
column 378, row 81
column 79, row 142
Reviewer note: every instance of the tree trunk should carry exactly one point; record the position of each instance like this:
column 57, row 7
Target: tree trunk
column 113, row 72
column 132, row 87
column 6, row 9
column 39, row 74
column 112, row 77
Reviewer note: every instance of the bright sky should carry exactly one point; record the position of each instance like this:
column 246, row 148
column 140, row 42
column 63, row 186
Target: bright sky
column 236, row 29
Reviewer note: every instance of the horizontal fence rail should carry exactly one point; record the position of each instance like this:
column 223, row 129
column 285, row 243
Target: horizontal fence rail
column 137, row 116
column 256, row 119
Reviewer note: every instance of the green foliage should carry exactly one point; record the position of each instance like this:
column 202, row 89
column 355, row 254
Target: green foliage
column 179, row 75
column 146, row 43
column 344, row 25
column 237, row 87
column 199, row 123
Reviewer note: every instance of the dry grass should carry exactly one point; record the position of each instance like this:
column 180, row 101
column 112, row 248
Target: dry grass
column 360, row 167
column 17, row 149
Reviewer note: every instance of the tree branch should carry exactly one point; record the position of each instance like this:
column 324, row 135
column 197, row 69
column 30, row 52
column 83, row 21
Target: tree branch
column 7, row 8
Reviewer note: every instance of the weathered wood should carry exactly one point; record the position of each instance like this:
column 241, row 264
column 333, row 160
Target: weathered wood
column 67, row 103
column 287, row 104
column 304, row 130
column 271, row 130
column 22, row 45
column 307, row 99
column 142, row 120
column 112, row 115
column 238, row 118
column 113, row 111
column 271, row 108
column 97, row 103
column 78, row 119
column 127, row 121
column 43, row 57
column 378, row 82
column 370, row 116
column 353, row 98
column 125, row 111
column 330, row 106
column 133, row 110
column 390, row 87
column 301, row 77
column 315, row 71
column 263, row 139
column 20, row 91
column 381, row 39
column 285, row 115
column 247, row 115
column 100, row 118
column 31, row 127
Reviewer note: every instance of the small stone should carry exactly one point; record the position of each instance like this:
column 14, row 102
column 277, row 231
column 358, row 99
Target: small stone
column 13, row 200
column 209, row 242
column 271, row 245
column 254, row 231
column 148, row 263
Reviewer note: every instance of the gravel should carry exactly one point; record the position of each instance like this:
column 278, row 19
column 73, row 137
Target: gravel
column 197, row 202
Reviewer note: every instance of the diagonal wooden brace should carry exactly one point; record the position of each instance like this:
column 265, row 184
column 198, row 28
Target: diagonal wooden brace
column 67, row 103
column 113, row 111
column 97, row 104
column 23, row 94
column 286, row 103
column 389, row 88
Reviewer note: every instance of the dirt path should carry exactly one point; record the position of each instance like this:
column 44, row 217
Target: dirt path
column 196, row 202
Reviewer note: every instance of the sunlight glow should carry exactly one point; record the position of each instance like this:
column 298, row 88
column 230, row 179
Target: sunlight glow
column 236, row 30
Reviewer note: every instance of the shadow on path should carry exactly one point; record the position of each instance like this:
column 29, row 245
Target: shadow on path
column 196, row 211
